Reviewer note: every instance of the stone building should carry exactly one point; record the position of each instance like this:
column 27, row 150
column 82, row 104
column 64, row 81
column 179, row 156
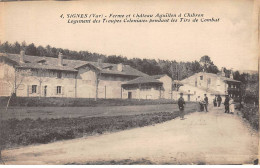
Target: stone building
column 33, row 76
column 148, row 87
column 195, row 86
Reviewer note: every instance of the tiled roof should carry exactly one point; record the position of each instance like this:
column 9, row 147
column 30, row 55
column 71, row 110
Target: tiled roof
column 142, row 80
column 69, row 65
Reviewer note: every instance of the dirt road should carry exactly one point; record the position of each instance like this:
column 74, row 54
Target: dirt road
column 202, row 138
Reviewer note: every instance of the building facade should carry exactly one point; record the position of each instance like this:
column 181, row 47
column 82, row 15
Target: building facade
column 195, row 86
column 33, row 76
column 148, row 87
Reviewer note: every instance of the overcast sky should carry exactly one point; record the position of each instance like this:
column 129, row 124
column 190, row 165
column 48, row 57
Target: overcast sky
column 231, row 42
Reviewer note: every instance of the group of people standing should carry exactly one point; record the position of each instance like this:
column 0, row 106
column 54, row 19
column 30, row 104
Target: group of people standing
column 217, row 101
column 204, row 103
column 228, row 103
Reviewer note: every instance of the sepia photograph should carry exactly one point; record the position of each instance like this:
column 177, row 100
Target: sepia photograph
column 129, row 82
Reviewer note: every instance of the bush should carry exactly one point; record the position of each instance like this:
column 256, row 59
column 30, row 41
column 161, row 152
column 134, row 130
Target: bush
column 251, row 113
column 41, row 131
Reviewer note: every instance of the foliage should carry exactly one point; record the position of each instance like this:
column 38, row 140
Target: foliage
column 41, row 131
column 77, row 102
column 177, row 70
column 208, row 65
column 251, row 113
column 249, row 86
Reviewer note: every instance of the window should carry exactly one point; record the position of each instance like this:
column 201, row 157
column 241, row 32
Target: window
column 194, row 92
column 196, row 83
column 34, row 88
column 188, row 90
column 58, row 90
column 201, row 77
column 59, row 75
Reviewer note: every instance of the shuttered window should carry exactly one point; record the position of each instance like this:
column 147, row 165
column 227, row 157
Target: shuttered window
column 34, row 88
column 58, row 89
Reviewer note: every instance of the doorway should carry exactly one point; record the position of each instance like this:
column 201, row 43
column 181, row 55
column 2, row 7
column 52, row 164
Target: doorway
column 45, row 91
column 188, row 97
column 129, row 95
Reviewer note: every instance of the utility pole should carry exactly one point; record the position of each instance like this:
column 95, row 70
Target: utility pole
column 177, row 71
column 172, row 78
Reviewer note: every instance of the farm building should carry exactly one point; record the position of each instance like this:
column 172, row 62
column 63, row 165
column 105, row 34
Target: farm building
column 195, row 86
column 148, row 87
column 33, row 76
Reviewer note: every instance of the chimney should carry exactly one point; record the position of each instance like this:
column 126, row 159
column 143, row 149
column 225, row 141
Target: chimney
column 22, row 53
column 99, row 61
column 120, row 67
column 231, row 75
column 223, row 72
column 60, row 59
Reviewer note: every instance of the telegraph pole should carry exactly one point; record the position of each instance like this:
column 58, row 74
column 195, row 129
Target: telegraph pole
column 172, row 78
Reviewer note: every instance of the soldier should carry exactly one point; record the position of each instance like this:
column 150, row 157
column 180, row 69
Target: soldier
column 219, row 99
column 181, row 103
column 215, row 101
column 206, row 100
column 226, row 103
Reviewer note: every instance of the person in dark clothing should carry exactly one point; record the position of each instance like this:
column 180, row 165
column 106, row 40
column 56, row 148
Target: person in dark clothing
column 201, row 103
column 219, row 100
column 206, row 100
column 226, row 103
column 215, row 101
column 181, row 103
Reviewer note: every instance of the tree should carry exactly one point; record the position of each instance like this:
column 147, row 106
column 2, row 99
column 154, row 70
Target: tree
column 207, row 65
column 6, row 47
column 31, row 49
column 14, row 81
column 41, row 51
column 16, row 47
column 205, row 61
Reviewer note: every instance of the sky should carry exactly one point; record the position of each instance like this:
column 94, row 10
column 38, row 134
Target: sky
column 231, row 42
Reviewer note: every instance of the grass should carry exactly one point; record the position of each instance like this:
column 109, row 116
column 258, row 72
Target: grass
column 78, row 102
column 119, row 162
column 41, row 131
column 85, row 112
column 251, row 113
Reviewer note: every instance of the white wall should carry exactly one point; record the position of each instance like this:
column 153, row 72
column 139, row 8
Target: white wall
column 152, row 93
column 6, row 71
column 86, row 83
column 167, row 87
